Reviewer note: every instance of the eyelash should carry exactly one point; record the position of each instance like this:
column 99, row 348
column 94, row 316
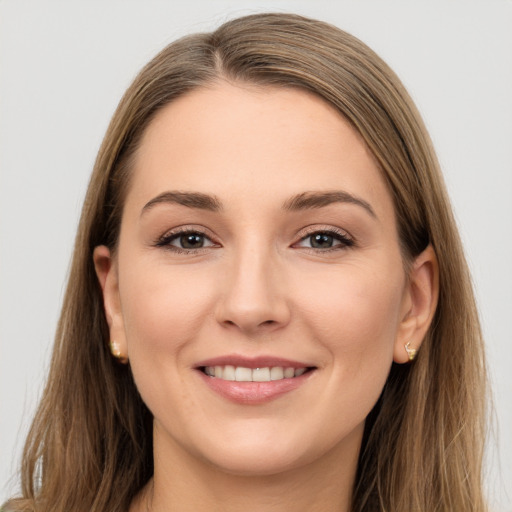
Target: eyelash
column 337, row 234
column 166, row 240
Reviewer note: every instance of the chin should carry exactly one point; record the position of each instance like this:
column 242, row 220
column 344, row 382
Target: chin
column 260, row 464
column 271, row 452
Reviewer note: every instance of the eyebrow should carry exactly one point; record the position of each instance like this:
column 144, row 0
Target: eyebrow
column 302, row 201
column 189, row 199
column 310, row 200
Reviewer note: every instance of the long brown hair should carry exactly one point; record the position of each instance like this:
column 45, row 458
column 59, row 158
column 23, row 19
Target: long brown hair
column 90, row 445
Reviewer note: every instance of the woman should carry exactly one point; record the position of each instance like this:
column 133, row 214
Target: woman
column 268, row 305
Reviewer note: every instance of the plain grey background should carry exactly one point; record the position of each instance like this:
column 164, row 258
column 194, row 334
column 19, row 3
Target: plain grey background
column 64, row 66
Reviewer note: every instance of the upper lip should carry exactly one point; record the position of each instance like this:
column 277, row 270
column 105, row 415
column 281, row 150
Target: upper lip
column 252, row 362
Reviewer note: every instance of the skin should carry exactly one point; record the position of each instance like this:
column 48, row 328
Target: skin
column 259, row 287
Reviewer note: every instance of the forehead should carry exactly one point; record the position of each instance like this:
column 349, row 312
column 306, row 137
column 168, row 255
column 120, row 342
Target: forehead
column 256, row 143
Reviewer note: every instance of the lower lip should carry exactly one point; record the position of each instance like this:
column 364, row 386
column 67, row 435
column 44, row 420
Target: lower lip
column 254, row 392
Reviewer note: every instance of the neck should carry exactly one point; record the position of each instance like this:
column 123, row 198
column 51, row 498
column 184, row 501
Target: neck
column 188, row 484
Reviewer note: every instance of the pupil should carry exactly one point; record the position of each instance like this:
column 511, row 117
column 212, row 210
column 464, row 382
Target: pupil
column 191, row 241
column 321, row 241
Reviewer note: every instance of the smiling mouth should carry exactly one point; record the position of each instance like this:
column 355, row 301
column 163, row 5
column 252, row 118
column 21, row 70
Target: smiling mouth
column 244, row 374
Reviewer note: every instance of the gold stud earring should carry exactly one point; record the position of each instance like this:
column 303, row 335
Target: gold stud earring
column 411, row 352
column 115, row 349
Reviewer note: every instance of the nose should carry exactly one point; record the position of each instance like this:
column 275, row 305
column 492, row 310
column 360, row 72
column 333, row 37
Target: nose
column 253, row 295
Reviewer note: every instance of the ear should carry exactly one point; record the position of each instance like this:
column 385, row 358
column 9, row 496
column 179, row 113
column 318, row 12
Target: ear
column 418, row 305
column 106, row 270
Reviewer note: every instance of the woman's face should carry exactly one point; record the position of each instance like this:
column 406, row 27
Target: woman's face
column 258, row 288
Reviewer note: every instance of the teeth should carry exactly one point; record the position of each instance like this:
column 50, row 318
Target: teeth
column 276, row 373
column 228, row 372
column 289, row 373
column 261, row 374
column 242, row 374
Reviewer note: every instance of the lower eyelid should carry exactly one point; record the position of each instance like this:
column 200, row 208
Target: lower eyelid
column 337, row 246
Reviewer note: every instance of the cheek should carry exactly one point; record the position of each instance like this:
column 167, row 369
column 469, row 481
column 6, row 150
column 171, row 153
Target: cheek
column 356, row 321
column 356, row 317
column 163, row 309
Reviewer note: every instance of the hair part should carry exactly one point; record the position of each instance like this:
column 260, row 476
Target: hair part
column 90, row 446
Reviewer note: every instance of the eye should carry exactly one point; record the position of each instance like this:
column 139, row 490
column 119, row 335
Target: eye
column 326, row 240
column 190, row 241
column 185, row 241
